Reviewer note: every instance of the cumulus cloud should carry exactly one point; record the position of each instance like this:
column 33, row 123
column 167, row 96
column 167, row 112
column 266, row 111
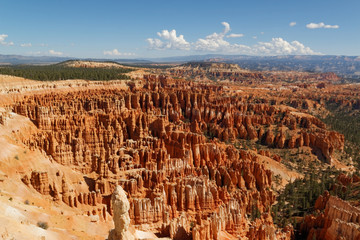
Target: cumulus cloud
column 216, row 42
column 320, row 25
column 116, row 52
column 53, row 52
column 169, row 41
column 279, row 46
column 3, row 42
column 3, row 37
column 155, row 43
column 26, row 45
column 292, row 24
column 235, row 35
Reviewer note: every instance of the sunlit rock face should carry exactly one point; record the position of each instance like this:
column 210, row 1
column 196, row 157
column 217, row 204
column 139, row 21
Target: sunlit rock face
column 120, row 206
column 339, row 219
column 168, row 144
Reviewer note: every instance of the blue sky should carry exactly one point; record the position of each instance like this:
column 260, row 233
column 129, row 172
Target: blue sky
column 136, row 29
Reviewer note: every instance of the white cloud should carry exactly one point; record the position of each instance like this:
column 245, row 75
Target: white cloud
column 26, row 45
column 235, row 35
column 116, row 52
column 216, row 43
column 170, row 41
column 3, row 37
column 254, row 37
column 279, row 46
column 320, row 25
column 3, row 42
column 155, row 43
column 227, row 27
column 53, row 52
column 292, row 24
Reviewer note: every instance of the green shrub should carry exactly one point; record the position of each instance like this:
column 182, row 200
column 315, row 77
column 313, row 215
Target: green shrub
column 43, row 225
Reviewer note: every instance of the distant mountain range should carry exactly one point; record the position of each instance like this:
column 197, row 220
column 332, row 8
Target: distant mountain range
column 18, row 59
column 345, row 66
column 37, row 60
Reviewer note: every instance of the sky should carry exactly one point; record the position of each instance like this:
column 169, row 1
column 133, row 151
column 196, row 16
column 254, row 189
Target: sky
column 157, row 28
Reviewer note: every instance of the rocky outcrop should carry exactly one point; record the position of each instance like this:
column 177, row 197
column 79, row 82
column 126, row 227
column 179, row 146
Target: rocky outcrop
column 121, row 206
column 40, row 182
column 338, row 220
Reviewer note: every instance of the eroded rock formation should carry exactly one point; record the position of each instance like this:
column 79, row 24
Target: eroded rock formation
column 121, row 206
column 168, row 144
column 337, row 219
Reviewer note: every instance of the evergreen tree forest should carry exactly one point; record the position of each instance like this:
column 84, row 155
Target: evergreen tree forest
column 347, row 122
column 58, row 72
column 298, row 198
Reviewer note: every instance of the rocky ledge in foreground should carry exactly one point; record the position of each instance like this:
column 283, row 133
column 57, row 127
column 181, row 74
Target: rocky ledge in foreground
column 336, row 219
column 121, row 217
